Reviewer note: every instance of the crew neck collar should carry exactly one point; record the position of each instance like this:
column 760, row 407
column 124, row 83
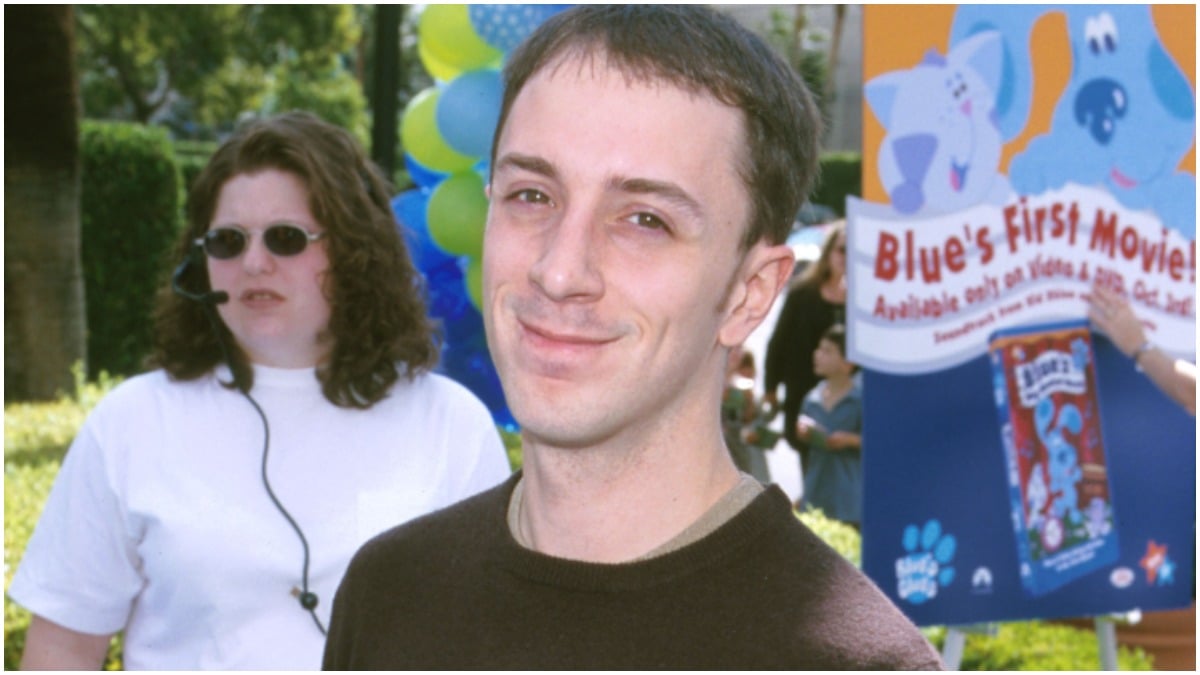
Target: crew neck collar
column 273, row 377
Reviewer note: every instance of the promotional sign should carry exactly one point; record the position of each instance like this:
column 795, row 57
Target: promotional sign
column 1016, row 464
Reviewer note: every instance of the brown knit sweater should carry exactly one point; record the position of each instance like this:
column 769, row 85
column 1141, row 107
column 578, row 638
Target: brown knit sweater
column 453, row 590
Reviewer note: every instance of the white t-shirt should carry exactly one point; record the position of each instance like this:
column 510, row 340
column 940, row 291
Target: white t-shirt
column 158, row 522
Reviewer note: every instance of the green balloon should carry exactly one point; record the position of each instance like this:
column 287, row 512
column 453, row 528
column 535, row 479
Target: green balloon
column 422, row 140
column 474, row 282
column 456, row 214
column 446, row 35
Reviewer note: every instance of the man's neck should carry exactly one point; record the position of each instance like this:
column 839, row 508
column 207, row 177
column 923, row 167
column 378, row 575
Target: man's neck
column 607, row 505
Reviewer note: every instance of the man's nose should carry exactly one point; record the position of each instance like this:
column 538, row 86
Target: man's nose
column 568, row 265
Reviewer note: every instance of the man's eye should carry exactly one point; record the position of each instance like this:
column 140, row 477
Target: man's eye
column 648, row 220
column 530, row 196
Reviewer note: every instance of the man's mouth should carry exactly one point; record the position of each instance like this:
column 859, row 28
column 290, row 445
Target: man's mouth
column 563, row 338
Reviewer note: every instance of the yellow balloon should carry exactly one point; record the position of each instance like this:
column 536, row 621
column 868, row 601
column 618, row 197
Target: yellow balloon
column 421, row 138
column 442, row 72
column 445, row 32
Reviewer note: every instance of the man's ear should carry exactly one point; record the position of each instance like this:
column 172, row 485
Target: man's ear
column 764, row 272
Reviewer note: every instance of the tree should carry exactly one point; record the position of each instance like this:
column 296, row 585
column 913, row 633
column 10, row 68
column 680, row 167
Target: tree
column 135, row 57
column 835, row 48
column 798, row 43
column 43, row 287
column 203, row 66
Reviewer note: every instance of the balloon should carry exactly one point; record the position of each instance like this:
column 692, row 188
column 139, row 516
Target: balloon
column 468, row 110
column 469, row 362
column 440, row 71
column 409, row 208
column 419, row 134
column 423, row 176
column 505, row 26
column 446, row 34
column 457, row 213
column 474, row 282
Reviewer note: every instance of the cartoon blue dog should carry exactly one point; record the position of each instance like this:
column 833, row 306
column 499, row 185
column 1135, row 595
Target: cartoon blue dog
column 1062, row 458
column 1124, row 121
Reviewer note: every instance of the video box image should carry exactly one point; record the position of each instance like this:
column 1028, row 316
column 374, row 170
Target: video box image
column 1044, row 380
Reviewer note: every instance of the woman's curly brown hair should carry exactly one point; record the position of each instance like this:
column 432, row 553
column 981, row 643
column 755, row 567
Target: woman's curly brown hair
column 378, row 325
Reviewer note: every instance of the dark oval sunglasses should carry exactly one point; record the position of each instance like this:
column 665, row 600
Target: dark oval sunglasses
column 224, row 243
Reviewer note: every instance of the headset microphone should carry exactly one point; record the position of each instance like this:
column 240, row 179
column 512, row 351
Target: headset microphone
column 212, row 298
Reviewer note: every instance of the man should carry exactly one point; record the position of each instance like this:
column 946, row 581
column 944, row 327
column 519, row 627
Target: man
column 647, row 164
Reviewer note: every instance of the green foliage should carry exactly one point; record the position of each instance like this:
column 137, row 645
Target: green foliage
column 203, row 64
column 799, row 44
column 132, row 56
column 307, row 34
column 840, row 177
column 330, row 93
column 1038, row 645
column 512, row 445
column 36, row 437
column 130, row 197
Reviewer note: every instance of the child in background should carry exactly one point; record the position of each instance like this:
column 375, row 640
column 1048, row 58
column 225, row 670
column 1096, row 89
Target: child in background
column 831, row 423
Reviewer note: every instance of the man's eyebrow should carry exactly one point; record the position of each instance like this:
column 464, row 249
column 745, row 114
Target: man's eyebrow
column 647, row 186
column 667, row 190
column 527, row 163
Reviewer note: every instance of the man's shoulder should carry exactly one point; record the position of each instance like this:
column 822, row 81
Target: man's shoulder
column 835, row 608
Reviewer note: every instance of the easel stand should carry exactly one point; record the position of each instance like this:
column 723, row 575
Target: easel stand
column 1106, row 634
column 956, row 639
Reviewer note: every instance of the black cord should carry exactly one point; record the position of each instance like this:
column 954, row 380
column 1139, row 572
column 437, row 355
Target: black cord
column 308, row 600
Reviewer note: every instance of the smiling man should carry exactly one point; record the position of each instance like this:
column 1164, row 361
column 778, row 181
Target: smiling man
column 647, row 165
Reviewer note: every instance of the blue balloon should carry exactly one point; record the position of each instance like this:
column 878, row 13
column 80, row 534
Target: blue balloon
column 422, row 175
column 465, row 356
column 442, row 272
column 409, row 209
column 469, row 363
column 467, row 111
column 505, row 26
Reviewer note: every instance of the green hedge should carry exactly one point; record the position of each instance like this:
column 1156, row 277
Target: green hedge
column 841, row 177
column 130, row 216
column 36, row 437
column 191, row 157
column 1036, row 645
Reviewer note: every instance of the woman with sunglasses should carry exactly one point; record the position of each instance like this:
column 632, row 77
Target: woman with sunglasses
column 816, row 301
column 209, row 508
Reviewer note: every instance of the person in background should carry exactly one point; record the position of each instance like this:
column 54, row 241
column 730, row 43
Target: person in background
column 1113, row 316
column 743, row 421
column 293, row 331
column 815, row 302
column 831, row 424
column 646, row 167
